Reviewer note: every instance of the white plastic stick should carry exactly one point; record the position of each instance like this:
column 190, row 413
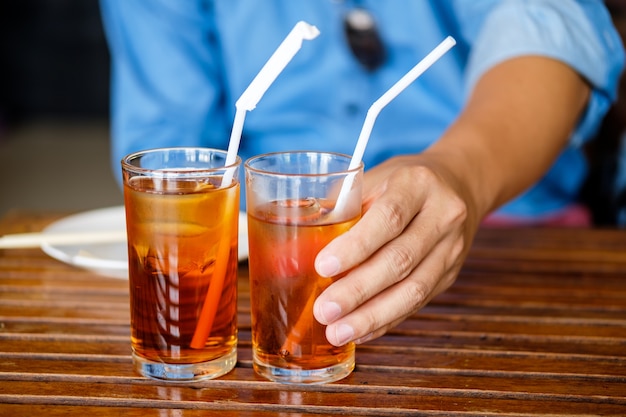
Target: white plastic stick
column 33, row 240
column 379, row 104
column 259, row 85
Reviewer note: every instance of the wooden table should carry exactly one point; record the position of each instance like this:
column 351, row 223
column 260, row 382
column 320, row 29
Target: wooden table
column 535, row 325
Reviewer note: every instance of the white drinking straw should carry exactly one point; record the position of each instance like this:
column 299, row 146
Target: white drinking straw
column 378, row 105
column 248, row 101
column 259, row 85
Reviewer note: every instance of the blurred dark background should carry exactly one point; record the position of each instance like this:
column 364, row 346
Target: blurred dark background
column 601, row 194
column 54, row 98
column 55, row 61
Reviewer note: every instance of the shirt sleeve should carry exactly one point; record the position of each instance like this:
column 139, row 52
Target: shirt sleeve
column 578, row 33
column 166, row 77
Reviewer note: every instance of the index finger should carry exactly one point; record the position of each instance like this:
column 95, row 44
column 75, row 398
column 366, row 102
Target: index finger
column 385, row 219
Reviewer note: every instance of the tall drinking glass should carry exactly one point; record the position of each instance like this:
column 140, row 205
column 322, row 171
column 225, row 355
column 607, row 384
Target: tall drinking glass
column 182, row 220
column 290, row 202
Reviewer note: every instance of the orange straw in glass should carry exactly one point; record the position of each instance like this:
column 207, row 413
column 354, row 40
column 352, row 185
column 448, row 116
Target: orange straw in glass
column 209, row 309
column 299, row 329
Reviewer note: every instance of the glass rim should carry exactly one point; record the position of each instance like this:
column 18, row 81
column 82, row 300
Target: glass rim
column 346, row 171
column 128, row 166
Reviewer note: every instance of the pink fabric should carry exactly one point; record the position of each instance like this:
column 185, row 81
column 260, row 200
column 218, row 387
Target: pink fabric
column 575, row 215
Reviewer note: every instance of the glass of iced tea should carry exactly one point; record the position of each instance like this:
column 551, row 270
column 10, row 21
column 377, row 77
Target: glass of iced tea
column 291, row 198
column 182, row 208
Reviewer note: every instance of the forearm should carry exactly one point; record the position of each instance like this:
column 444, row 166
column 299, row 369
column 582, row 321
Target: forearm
column 516, row 122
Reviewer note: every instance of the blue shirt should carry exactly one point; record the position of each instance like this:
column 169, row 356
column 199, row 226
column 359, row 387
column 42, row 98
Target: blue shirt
column 179, row 66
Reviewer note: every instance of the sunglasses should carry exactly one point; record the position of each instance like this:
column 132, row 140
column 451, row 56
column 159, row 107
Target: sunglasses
column 364, row 39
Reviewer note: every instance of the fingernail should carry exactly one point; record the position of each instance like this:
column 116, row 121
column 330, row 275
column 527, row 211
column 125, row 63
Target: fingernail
column 329, row 312
column 343, row 334
column 327, row 266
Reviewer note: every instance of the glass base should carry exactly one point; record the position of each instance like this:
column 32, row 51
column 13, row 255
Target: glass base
column 304, row 376
column 189, row 372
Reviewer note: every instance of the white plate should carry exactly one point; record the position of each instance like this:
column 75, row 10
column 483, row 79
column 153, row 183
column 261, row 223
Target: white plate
column 108, row 259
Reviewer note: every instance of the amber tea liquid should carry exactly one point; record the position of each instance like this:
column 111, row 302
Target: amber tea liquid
column 175, row 228
column 288, row 343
